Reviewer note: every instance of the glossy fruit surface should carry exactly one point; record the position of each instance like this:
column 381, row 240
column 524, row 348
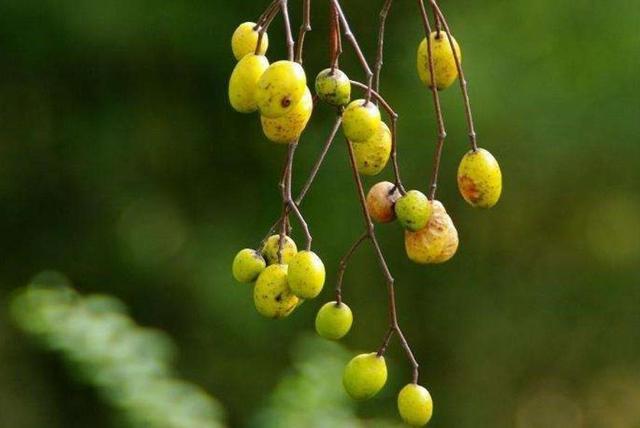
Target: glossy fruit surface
column 271, row 294
column 415, row 405
column 480, row 179
column 245, row 40
column 360, row 120
column 334, row 320
column 435, row 243
column 373, row 154
column 280, row 88
column 270, row 249
column 333, row 87
column 288, row 128
column 244, row 82
column 381, row 200
column 444, row 63
column 413, row 210
column 247, row 265
column 364, row 376
column 306, row 275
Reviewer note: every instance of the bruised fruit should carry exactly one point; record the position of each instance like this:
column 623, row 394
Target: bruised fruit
column 270, row 249
column 333, row 87
column 480, row 179
column 364, row 376
column 247, row 265
column 373, row 154
column 288, row 128
column 360, row 120
column 413, row 210
column 415, row 405
column 271, row 294
column 444, row 63
column 244, row 82
column 381, row 200
column 437, row 242
column 306, row 275
column 280, row 88
column 334, row 320
column 245, row 40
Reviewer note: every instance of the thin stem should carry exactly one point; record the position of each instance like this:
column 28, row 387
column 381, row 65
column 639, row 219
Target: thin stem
column 344, row 261
column 287, row 28
column 284, row 184
column 335, row 40
column 290, row 203
column 305, row 27
column 379, row 59
column 263, row 18
column 272, row 13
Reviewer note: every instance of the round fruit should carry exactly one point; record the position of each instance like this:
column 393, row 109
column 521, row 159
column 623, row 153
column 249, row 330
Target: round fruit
column 380, row 201
column 373, row 154
column 415, row 405
column 272, row 295
column 247, row 265
column 306, row 275
column 480, row 179
column 244, row 82
column 334, row 320
column 288, row 128
column 437, row 242
column 245, row 40
column 270, row 249
column 360, row 120
column 413, row 210
column 333, row 87
column 364, row 376
column 444, row 63
column 280, row 88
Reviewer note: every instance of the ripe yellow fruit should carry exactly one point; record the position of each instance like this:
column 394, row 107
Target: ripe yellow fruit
column 480, row 179
column 373, row 154
column 244, row 82
column 360, row 120
column 280, row 88
column 245, row 40
column 247, row 265
column 271, row 294
column 381, row 200
column 306, row 275
column 413, row 210
column 415, row 405
column 270, row 249
column 288, row 128
column 333, row 87
column 444, row 63
column 435, row 243
column 334, row 320
column 364, row 376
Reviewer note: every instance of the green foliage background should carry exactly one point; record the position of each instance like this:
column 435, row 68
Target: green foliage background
column 122, row 165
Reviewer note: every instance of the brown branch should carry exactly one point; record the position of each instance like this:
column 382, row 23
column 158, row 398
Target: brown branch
column 287, row 28
column 271, row 12
column 305, row 27
column 335, row 40
column 290, row 203
column 268, row 11
column 379, row 59
column 344, row 261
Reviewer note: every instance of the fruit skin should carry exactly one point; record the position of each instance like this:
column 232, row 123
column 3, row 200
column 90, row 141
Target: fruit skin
column 245, row 40
column 271, row 294
column 364, row 376
column 244, row 82
column 288, row 128
column 360, row 120
column 270, row 249
column 435, row 243
column 306, row 275
column 280, row 88
column 480, row 179
column 333, row 87
column 415, row 405
column 381, row 200
column 334, row 320
column 247, row 265
column 373, row 154
column 444, row 63
column 413, row 210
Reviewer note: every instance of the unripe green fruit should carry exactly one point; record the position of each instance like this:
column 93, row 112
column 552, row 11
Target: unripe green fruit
column 413, row 210
column 381, row 200
column 334, row 320
column 271, row 294
column 415, row 405
column 247, row 265
column 288, row 128
column 280, row 88
column 245, row 40
column 444, row 63
column 333, row 87
column 360, row 120
column 244, row 82
column 435, row 243
column 373, row 154
column 270, row 249
column 306, row 275
column 364, row 376
column 480, row 179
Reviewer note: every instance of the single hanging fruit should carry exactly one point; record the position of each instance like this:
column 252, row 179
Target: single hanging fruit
column 480, row 179
column 280, row 88
column 437, row 242
column 373, row 154
column 364, row 376
column 288, row 128
column 333, row 87
column 244, row 82
column 270, row 249
column 247, row 265
column 334, row 320
column 360, row 120
column 415, row 405
column 413, row 210
column 306, row 275
column 271, row 294
column 381, row 200
column 444, row 63
column 245, row 40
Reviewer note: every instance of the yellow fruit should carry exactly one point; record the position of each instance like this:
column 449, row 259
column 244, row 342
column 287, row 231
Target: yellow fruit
column 333, row 87
column 413, row 210
column 415, row 405
column 373, row 154
column 244, row 82
column 360, row 120
column 381, row 200
column 280, row 88
column 288, row 128
column 270, row 249
column 364, row 376
column 306, row 275
column 444, row 63
column 247, row 265
column 435, row 243
column 334, row 320
column 271, row 294
column 245, row 40
column 480, row 179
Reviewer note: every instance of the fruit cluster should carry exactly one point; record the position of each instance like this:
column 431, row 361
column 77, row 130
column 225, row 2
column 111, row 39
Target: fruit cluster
column 283, row 277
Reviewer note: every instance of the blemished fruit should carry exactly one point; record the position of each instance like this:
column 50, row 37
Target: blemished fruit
column 435, row 243
column 271, row 294
column 444, row 63
column 415, row 405
column 306, row 275
column 288, row 128
column 360, row 120
column 373, row 154
column 364, row 376
column 333, row 87
column 413, row 210
column 381, row 200
column 244, row 82
column 280, row 88
column 334, row 320
column 247, row 265
column 245, row 40
column 270, row 249
column 480, row 179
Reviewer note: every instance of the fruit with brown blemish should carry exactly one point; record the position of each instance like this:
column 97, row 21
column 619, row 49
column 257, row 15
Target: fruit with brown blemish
column 244, row 82
column 381, row 200
column 280, row 88
column 306, row 275
column 334, row 320
column 271, row 247
column 413, row 210
column 364, row 376
column 360, row 120
column 480, row 179
column 415, row 405
column 272, row 296
column 444, row 64
column 373, row 154
column 247, row 265
column 289, row 127
column 245, row 40
column 333, row 87
column 437, row 242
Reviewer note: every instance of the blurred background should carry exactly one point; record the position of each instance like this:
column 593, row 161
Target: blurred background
column 123, row 166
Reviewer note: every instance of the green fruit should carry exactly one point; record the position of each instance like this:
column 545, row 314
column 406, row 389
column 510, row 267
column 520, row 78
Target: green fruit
column 360, row 120
column 480, row 179
column 306, row 275
column 413, row 210
column 247, row 265
column 271, row 294
column 270, row 249
column 245, row 40
column 288, row 128
column 244, row 82
column 364, row 376
column 333, row 87
column 280, row 88
column 444, row 63
column 373, row 154
column 334, row 320
column 415, row 405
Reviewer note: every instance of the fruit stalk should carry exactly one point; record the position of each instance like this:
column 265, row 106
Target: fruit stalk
column 264, row 21
column 305, row 27
column 335, row 40
column 284, row 6
column 344, row 261
column 379, row 58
